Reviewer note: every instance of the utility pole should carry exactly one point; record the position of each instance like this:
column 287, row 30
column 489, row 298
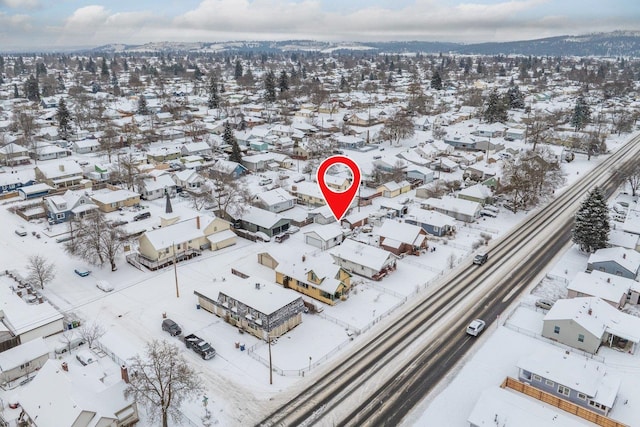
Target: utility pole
column 270, row 363
column 175, row 269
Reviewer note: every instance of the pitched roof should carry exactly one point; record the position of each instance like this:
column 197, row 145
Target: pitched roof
column 401, row 231
column 362, row 254
column 626, row 258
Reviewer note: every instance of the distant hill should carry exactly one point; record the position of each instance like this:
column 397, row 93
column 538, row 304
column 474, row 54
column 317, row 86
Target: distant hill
column 617, row 43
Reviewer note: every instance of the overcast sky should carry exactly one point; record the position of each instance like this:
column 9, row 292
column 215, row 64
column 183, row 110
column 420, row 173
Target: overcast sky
column 34, row 24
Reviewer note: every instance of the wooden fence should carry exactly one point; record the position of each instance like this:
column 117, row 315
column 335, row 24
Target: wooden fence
column 559, row 403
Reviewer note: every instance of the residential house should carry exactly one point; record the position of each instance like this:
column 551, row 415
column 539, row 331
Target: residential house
column 478, row 193
column 618, row 261
column 266, row 161
column 85, row 146
column 393, row 209
column 515, row 134
column 60, row 208
column 611, row 288
column 460, row 209
column 579, row 380
column 72, row 397
column 417, row 156
column 350, row 142
column 188, row 179
column 229, row 168
column 433, row 222
column 163, row 154
column 389, row 164
column 63, row 174
column 364, row 260
column 157, row 185
column 45, row 151
column 13, row 154
column 322, row 215
column 276, row 200
column 394, row 189
column 308, row 193
column 23, row 360
column 422, row 174
column 422, row 123
column 337, row 182
column 254, row 219
column 183, row 239
column 317, row 278
column 355, row 219
column 112, row 198
column 444, row 164
column 34, row 191
column 12, row 181
column 479, row 172
column 200, row 148
column 501, row 405
column 324, row 237
column 402, row 238
column 586, row 323
column 490, row 130
column 264, row 310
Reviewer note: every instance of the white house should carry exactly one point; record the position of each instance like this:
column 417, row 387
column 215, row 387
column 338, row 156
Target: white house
column 364, row 260
column 23, row 360
column 157, row 185
column 611, row 288
column 276, row 200
column 324, row 237
column 460, row 209
column 85, row 146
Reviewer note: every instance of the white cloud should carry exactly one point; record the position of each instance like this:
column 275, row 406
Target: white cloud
column 20, row 4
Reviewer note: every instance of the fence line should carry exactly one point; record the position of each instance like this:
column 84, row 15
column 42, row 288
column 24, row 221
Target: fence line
column 557, row 278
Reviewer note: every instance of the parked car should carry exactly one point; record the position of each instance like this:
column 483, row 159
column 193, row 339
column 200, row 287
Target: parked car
column 82, row 272
column 281, row 237
column 85, row 357
column 103, row 285
column 299, row 178
column 21, row 233
column 184, row 195
column 480, row 259
column 545, row 304
column 292, row 229
column 475, row 327
column 74, row 343
column 265, row 181
column 172, row 327
column 141, row 216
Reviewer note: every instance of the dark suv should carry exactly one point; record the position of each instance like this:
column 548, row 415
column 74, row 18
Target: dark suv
column 171, row 327
column 141, row 216
column 480, row 259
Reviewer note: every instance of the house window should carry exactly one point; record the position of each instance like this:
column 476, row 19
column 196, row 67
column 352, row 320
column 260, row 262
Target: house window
column 60, row 216
column 580, row 338
column 537, row 378
column 556, row 329
column 564, row 390
column 582, row 396
column 25, row 365
column 549, row 383
column 596, row 405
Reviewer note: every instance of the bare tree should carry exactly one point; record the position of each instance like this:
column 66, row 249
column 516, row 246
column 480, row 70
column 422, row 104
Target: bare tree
column 538, row 129
column 398, row 126
column 95, row 240
column 40, row 271
column 91, row 332
column 437, row 188
column 202, row 196
column 162, row 380
column 634, row 180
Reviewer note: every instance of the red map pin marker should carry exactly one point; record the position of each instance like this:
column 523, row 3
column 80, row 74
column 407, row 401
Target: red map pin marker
column 339, row 201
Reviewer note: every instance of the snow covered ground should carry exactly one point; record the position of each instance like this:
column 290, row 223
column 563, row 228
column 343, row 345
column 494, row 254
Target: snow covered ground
column 237, row 382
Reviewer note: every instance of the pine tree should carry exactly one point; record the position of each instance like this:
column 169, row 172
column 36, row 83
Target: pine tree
column 436, row 81
column 214, row 97
column 16, row 94
column 496, row 110
column 591, row 223
column 64, row 119
column 238, row 71
column 91, row 66
column 104, row 70
column 142, row 106
column 581, row 114
column 229, row 138
column 283, row 82
column 270, row 87
column 31, row 89
column 514, row 98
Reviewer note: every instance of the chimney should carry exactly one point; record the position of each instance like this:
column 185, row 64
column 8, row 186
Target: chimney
column 124, row 373
column 65, row 367
column 608, row 279
column 198, row 222
column 61, row 167
column 590, row 311
column 624, row 256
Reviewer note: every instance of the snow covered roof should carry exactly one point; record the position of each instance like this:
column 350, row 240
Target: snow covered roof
column 609, row 287
column 260, row 217
column 60, row 169
column 362, row 254
column 477, row 191
column 275, row 196
column 327, row 232
column 597, row 317
column 401, row 231
column 268, row 299
column 434, row 218
column 500, row 406
column 578, row 373
column 113, row 196
column 466, row 207
column 86, row 143
column 159, row 182
column 165, row 237
column 192, row 147
column 308, row 189
column 626, row 258
column 25, row 352
column 21, row 317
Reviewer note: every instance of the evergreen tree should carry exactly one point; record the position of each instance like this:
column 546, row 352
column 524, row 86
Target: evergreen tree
column 238, row 71
column 64, row 119
column 31, row 89
column 104, row 69
column 436, row 81
column 142, row 106
column 514, row 98
column 15, row 91
column 283, row 82
column 91, row 66
column 270, row 87
column 496, row 110
column 581, row 114
column 125, row 65
column 591, row 223
column 41, row 69
column 212, row 89
column 344, row 85
column 229, row 138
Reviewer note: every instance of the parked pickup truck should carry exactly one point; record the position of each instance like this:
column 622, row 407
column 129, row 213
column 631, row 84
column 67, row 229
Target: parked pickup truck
column 200, row 346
